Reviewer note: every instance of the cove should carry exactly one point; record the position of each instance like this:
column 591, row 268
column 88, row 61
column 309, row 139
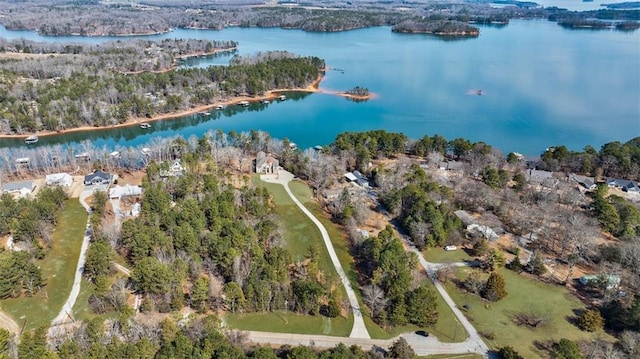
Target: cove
column 542, row 85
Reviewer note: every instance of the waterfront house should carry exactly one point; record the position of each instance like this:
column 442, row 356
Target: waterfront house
column 622, row 184
column 96, row 178
column 266, row 163
column 611, row 280
column 587, row 182
column 451, row 165
column 59, row 179
column 21, row 189
column 127, row 190
column 538, row 176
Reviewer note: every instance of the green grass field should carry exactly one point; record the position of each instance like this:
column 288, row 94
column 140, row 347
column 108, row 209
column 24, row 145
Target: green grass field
column 439, row 255
column 58, row 270
column 290, row 323
column 525, row 294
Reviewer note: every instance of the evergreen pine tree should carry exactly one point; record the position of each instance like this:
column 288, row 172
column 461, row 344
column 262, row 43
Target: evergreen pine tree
column 495, row 289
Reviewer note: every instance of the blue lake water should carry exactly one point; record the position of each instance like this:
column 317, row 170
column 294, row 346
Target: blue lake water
column 542, row 85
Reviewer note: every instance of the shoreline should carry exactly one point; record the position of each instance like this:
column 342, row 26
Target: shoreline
column 136, row 121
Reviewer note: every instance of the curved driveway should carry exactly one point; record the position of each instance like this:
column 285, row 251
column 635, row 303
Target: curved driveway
column 359, row 330
column 474, row 342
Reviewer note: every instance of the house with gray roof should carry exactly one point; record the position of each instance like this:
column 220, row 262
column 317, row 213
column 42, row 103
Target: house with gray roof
column 96, row 178
column 588, row 183
column 22, row 188
column 622, row 184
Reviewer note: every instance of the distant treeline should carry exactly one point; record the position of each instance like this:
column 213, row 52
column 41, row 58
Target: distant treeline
column 96, row 19
column 436, row 27
column 123, row 56
column 597, row 19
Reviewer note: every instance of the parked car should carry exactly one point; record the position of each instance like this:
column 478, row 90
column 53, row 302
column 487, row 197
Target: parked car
column 450, row 248
column 422, row 333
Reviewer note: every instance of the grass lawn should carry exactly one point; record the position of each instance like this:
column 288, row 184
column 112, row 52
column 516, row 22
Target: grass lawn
column 81, row 310
column 448, row 329
column 58, row 270
column 299, row 231
column 445, row 329
column 287, row 322
column 439, row 255
column 525, row 294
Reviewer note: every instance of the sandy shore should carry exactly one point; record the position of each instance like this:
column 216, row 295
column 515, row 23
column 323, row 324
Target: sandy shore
column 136, row 121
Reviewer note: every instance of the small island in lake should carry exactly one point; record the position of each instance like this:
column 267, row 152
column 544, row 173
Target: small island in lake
column 357, row 93
column 436, row 27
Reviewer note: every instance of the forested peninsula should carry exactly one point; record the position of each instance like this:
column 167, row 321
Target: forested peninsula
column 108, row 85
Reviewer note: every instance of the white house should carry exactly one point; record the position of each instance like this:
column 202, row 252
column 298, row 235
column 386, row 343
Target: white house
column 59, row 179
column 125, row 191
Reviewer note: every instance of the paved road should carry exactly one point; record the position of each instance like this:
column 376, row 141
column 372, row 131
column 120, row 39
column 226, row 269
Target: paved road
column 67, row 308
column 421, row 345
column 359, row 330
column 473, row 343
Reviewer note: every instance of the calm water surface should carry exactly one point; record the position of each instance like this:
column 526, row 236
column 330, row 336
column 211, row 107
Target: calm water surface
column 542, row 85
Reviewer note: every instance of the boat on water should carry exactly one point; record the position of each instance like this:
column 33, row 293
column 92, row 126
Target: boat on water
column 282, row 97
column 266, row 102
column 220, row 107
column 243, row 103
column 31, row 139
column 145, row 125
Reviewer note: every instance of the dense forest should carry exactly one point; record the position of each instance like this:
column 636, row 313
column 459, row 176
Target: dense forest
column 201, row 233
column 29, row 222
column 199, row 338
column 94, row 96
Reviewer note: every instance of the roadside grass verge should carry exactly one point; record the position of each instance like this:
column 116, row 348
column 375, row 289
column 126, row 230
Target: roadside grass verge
column 58, row 271
column 445, row 330
column 525, row 295
column 288, row 322
column 448, row 328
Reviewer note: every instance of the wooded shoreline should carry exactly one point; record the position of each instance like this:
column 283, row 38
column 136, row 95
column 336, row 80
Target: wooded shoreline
column 135, row 121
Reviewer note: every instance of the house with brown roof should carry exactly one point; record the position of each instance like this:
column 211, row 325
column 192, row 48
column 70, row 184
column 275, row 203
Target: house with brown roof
column 266, row 163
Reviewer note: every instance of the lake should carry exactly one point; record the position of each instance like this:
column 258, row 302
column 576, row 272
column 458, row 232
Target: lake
column 542, row 85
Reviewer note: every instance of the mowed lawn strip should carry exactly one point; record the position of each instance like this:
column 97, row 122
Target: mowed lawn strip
column 525, row 294
column 439, row 255
column 58, row 271
column 299, row 234
column 288, row 322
